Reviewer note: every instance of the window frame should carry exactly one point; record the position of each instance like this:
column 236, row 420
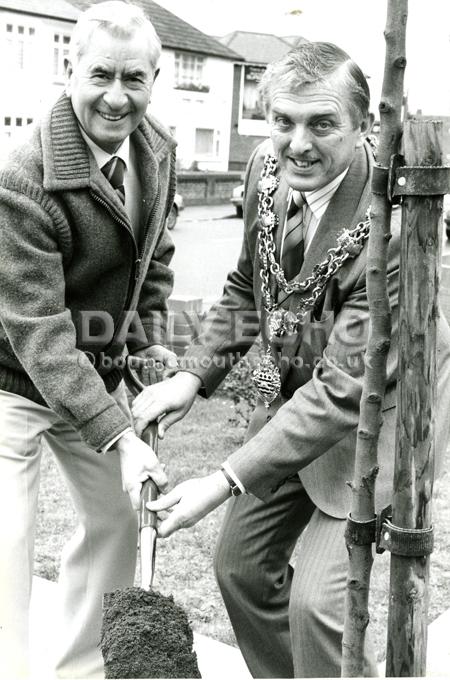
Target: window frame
column 189, row 71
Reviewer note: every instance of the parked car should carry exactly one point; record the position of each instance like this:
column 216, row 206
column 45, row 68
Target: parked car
column 178, row 205
column 237, row 198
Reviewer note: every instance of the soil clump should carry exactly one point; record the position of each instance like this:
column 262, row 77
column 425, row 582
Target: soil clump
column 146, row 635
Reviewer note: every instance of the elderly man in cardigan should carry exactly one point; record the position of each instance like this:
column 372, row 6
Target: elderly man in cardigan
column 306, row 200
column 84, row 270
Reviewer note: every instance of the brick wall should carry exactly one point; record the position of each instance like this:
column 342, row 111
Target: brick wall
column 207, row 188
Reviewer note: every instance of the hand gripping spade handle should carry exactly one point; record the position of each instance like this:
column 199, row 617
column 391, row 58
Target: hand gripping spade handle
column 147, row 519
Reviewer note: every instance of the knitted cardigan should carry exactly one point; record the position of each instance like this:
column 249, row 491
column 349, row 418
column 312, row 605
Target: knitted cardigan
column 75, row 287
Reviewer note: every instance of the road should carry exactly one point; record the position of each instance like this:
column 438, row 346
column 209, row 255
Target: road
column 208, row 241
column 207, row 245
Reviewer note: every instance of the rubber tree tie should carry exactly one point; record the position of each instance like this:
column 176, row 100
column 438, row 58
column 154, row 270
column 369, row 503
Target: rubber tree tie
column 380, row 180
column 383, row 179
column 360, row 533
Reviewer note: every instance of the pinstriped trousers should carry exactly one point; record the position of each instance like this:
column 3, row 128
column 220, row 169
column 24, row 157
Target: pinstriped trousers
column 288, row 622
column 100, row 556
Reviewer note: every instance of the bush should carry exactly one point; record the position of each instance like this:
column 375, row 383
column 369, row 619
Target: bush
column 239, row 387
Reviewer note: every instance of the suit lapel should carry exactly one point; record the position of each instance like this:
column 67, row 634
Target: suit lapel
column 280, row 209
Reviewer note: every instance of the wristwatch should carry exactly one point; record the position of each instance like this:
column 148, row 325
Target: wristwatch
column 235, row 490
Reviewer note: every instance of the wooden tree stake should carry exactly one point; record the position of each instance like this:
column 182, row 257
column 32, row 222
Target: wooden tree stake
column 414, row 461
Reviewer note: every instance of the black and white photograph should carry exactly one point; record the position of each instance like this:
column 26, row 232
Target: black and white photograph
column 224, row 339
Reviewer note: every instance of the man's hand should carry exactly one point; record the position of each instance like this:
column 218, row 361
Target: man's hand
column 170, row 399
column 138, row 462
column 191, row 501
column 158, row 360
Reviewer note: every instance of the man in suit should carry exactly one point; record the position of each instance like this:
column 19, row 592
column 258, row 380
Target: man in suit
column 289, row 478
column 84, row 270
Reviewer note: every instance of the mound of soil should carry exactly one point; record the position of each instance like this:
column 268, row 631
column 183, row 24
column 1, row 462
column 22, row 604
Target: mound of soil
column 146, row 635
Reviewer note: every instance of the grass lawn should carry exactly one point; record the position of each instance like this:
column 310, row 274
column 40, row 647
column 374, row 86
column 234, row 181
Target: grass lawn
column 184, row 562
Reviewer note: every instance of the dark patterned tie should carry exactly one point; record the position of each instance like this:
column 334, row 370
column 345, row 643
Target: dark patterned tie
column 114, row 171
column 293, row 243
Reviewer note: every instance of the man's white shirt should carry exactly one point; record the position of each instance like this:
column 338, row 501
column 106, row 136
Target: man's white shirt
column 133, row 193
column 316, row 203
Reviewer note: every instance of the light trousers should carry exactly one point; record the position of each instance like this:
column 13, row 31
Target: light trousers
column 100, row 556
column 288, row 621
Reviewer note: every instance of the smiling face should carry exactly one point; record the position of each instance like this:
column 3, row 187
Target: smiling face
column 313, row 132
column 110, row 87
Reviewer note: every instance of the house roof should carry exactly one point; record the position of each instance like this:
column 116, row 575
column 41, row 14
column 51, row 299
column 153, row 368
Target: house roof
column 294, row 39
column 174, row 32
column 58, row 9
column 261, row 48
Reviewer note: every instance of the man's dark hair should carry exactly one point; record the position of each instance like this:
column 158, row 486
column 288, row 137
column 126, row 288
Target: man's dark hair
column 313, row 62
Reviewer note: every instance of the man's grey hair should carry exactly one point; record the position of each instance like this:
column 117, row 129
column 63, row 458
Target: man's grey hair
column 119, row 19
column 315, row 62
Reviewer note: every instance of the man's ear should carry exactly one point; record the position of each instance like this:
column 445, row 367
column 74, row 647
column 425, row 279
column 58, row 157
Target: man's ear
column 367, row 124
column 365, row 129
column 68, row 71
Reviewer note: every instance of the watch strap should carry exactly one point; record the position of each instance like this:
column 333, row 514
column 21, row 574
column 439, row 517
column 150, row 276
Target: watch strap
column 235, row 490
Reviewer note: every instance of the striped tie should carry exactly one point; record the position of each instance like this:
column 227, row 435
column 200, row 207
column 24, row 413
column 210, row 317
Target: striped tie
column 114, row 171
column 293, row 243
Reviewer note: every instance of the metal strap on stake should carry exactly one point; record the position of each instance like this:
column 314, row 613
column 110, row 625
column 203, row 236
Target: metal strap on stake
column 431, row 180
column 406, row 542
column 400, row 180
column 387, row 536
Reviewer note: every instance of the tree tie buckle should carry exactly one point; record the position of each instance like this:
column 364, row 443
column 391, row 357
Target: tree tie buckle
column 387, row 536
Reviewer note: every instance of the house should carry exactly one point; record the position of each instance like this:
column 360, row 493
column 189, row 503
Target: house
column 192, row 96
column 248, row 124
column 35, row 36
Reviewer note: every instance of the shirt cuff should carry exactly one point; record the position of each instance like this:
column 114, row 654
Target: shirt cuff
column 110, row 444
column 226, row 466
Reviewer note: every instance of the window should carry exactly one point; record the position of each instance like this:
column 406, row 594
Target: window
column 252, row 106
column 11, row 126
column 251, row 115
column 207, row 142
column 61, row 43
column 189, row 72
column 19, row 38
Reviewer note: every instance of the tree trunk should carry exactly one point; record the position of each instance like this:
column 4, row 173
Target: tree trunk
column 366, row 466
column 414, row 461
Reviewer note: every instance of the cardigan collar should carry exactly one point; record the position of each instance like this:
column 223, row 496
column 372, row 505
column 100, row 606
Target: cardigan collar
column 66, row 158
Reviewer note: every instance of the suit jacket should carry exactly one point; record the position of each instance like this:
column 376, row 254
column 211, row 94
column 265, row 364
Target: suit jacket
column 310, row 429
